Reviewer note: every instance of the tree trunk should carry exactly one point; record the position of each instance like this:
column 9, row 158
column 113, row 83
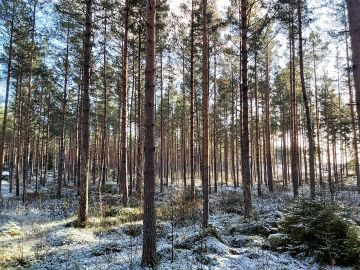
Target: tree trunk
column 354, row 29
column 215, row 147
column 85, row 114
column 309, row 126
column 8, row 77
column 317, row 121
column 294, row 146
column 245, row 111
column 226, row 157
column 267, row 127
column 192, row 112
column 149, row 232
column 353, row 7
column 161, row 124
column 28, row 110
column 63, row 116
column 183, row 128
column 205, row 150
column 233, row 135
column 124, row 82
column 140, row 146
column 352, row 113
column 257, row 133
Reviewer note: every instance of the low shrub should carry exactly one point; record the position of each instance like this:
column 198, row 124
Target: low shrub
column 231, row 202
column 320, row 230
column 124, row 215
column 212, row 231
column 113, row 217
column 133, row 230
column 180, row 210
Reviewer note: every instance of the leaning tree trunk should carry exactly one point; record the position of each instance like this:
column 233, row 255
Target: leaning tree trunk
column 85, row 126
column 149, row 231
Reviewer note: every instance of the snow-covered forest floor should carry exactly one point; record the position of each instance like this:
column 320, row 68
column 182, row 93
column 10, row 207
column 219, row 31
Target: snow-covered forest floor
column 45, row 236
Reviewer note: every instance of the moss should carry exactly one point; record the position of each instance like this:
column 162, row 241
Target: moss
column 14, row 257
column 76, row 224
column 124, row 215
column 113, row 217
column 11, row 229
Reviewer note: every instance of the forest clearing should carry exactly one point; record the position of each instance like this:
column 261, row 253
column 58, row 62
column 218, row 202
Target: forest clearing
column 192, row 134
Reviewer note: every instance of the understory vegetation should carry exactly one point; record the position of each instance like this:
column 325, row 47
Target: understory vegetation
column 283, row 233
column 320, row 229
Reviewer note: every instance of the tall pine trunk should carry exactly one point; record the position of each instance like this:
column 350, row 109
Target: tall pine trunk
column 149, row 232
column 8, row 77
column 205, row 148
column 124, row 82
column 269, row 165
column 352, row 113
column 26, row 137
column 309, row 126
column 140, row 146
column 63, row 117
column 354, row 29
column 192, row 111
column 245, row 111
column 85, row 115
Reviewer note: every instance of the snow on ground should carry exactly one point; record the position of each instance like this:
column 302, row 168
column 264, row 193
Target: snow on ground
column 43, row 235
column 5, row 190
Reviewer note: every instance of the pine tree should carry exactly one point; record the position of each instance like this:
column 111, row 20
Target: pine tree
column 85, row 127
column 149, row 232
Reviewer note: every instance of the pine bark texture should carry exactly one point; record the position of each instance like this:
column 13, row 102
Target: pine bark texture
column 85, row 114
column 245, row 158
column 205, row 85
column 149, row 232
